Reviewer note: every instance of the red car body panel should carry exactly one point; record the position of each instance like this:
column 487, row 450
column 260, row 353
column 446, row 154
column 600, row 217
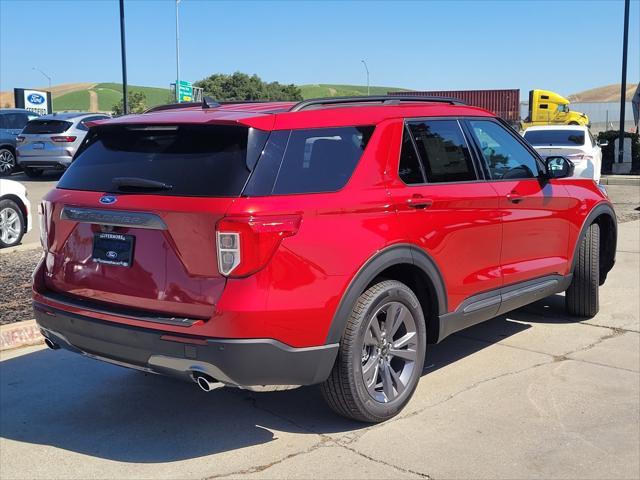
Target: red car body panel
column 478, row 238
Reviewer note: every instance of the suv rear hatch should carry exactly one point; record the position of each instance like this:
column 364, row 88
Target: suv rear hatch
column 45, row 137
column 131, row 225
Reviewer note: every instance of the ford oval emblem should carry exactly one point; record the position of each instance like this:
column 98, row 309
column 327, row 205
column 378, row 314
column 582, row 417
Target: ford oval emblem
column 36, row 99
column 111, row 254
column 108, row 199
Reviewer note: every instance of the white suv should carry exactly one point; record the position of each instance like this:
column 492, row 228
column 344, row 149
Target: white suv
column 572, row 141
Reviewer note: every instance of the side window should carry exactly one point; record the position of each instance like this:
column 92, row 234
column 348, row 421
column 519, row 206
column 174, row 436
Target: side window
column 320, row 159
column 443, row 151
column 409, row 171
column 506, row 157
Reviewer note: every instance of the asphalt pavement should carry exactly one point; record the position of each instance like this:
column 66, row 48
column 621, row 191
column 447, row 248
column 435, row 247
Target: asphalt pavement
column 533, row 394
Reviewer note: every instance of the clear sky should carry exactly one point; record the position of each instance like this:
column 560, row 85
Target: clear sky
column 565, row 46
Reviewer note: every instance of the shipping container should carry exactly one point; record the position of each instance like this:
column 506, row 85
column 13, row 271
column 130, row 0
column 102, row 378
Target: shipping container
column 504, row 103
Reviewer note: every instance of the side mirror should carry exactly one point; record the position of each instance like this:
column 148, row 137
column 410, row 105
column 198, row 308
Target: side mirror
column 559, row 167
column 602, row 143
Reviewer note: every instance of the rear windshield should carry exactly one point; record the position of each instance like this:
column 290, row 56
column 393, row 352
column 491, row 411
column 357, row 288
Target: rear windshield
column 564, row 138
column 192, row 160
column 46, row 126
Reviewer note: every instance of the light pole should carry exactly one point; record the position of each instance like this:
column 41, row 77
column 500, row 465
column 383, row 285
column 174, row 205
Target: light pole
column 177, row 53
column 623, row 85
column 48, row 77
column 125, row 100
column 367, row 69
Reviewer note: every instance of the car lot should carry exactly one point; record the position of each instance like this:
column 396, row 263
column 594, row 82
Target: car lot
column 530, row 394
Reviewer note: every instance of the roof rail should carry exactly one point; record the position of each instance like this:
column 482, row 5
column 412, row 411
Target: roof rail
column 173, row 106
column 382, row 99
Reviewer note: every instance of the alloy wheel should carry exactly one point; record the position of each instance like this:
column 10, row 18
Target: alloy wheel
column 10, row 226
column 7, row 162
column 389, row 351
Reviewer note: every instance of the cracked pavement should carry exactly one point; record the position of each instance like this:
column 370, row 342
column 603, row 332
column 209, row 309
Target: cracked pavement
column 533, row 394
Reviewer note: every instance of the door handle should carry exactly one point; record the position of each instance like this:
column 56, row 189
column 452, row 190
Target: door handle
column 514, row 197
column 419, row 202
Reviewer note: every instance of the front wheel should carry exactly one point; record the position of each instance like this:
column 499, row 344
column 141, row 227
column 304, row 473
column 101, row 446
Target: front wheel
column 381, row 355
column 582, row 297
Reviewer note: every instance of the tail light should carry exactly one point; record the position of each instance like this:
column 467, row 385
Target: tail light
column 43, row 226
column 19, row 139
column 63, row 138
column 578, row 157
column 246, row 244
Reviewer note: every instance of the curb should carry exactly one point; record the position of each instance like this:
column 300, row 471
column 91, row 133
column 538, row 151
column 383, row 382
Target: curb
column 633, row 180
column 21, row 248
column 20, row 334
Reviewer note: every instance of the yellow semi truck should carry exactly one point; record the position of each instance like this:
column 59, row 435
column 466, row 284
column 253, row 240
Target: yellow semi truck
column 549, row 108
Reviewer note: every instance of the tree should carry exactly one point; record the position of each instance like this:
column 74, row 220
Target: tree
column 137, row 103
column 240, row 86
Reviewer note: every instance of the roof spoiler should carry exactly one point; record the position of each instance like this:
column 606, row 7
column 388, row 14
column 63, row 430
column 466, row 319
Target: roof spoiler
column 380, row 99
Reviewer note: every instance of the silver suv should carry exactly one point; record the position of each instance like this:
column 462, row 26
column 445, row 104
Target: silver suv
column 51, row 141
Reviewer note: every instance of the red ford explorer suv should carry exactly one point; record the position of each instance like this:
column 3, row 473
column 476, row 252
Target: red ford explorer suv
column 272, row 245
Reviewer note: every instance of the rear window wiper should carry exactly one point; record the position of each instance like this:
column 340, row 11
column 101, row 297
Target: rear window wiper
column 137, row 183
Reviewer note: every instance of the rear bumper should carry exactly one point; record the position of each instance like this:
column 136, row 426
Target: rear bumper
column 45, row 161
column 242, row 363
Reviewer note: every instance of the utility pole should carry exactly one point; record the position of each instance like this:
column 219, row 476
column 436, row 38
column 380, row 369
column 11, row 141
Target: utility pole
column 367, row 69
column 125, row 100
column 177, row 52
column 623, row 85
column 48, row 77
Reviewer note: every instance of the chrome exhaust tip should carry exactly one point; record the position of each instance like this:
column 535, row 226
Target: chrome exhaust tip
column 206, row 382
column 52, row 345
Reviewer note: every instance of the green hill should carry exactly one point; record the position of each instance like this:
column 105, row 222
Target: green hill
column 108, row 94
column 335, row 90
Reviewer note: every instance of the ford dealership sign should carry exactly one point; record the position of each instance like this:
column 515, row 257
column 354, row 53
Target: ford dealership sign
column 34, row 100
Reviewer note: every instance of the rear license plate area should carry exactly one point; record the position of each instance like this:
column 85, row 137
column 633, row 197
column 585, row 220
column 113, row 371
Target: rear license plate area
column 113, row 249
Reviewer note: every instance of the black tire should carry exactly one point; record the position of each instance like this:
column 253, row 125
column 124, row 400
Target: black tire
column 33, row 172
column 9, row 209
column 7, row 162
column 345, row 391
column 581, row 298
column 574, row 123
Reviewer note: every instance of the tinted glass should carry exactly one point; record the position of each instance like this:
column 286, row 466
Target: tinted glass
column 46, row 126
column 13, row 121
column 409, row 171
column 196, row 160
column 320, row 159
column 564, row 138
column 506, row 157
column 443, row 151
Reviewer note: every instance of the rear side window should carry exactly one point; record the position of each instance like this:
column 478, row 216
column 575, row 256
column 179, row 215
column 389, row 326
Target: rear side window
column 410, row 171
column 46, row 126
column 13, row 121
column 320, row 159
column 443, row 151
column 194, row 160
column 561, row 138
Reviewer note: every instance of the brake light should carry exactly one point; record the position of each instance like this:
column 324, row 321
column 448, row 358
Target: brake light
column 64, row 138
column 19, row 139
column 246, row 244
column 579, row 157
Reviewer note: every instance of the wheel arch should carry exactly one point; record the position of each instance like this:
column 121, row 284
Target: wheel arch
column 407, row 264
column 9, row 147
column 604, row 215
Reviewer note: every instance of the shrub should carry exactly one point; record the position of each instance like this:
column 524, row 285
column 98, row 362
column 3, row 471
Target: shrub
column 608, row 152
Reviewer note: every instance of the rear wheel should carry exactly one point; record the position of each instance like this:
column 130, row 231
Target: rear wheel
column 581, row 299
column 33, row 172
column 7, row 162
column 381, row 355
column 11, row 223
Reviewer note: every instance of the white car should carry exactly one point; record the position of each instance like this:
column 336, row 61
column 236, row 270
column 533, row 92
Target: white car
column 15, row 213
column 572, row 141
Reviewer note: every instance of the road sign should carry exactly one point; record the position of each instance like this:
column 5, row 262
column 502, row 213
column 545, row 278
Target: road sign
column 185, row 91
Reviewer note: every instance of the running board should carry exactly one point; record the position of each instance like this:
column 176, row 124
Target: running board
column 485, row 306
